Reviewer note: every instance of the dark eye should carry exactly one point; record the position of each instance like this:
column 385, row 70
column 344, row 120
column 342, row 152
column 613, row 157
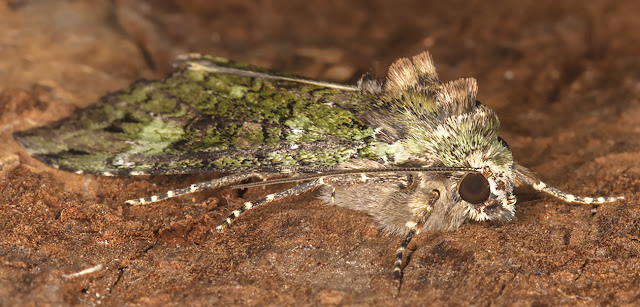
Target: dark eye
column 474, row 188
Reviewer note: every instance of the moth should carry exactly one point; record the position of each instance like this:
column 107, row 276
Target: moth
column 415, row 153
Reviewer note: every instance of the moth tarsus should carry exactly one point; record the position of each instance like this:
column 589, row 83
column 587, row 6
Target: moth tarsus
column 267, row 199
column 414, row 227
column 415, row 153
column 196, row 187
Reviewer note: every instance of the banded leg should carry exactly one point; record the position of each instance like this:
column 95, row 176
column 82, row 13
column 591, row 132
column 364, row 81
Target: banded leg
column 201, row 186
column 414, row 229
column 267, row 199
column 397, row 266
column 525, row 177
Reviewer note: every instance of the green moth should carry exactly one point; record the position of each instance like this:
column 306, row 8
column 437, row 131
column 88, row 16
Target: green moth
column 413, row 152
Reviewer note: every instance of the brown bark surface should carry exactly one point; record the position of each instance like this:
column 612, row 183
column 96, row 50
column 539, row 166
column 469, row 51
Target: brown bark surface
column 563, row 76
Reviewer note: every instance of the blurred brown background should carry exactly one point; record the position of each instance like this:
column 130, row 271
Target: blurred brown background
column 564, row 77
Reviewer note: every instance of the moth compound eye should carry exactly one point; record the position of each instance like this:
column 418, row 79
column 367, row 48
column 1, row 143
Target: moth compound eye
column 474, row 188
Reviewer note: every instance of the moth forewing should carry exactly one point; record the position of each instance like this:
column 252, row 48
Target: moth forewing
column 413, row 152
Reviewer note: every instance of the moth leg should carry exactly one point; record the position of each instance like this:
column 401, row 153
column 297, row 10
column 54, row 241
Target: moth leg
column 524, row 177
column 201, row 186
column 267, row 199
column 414, row 226
column 333, row 195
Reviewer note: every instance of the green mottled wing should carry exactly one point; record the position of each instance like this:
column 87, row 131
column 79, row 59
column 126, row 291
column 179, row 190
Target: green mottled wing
column 212, row 115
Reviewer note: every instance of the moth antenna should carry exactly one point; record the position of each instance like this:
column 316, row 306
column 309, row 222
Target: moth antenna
column 200, row 63
column 525, row 177
column 354, row 171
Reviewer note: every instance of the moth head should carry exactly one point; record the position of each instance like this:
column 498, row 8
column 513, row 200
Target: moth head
column 430, row 122
column 488, row 195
